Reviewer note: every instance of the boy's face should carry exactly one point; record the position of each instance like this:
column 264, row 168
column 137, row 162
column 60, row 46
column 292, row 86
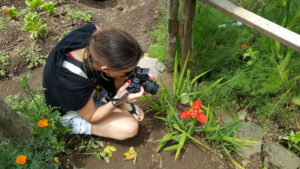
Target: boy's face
column 120, row 74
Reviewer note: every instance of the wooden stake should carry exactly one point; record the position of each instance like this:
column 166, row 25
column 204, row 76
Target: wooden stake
column 186, row 42
column 173, row 6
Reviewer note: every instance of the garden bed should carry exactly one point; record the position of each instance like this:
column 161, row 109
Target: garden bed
column 138, row 17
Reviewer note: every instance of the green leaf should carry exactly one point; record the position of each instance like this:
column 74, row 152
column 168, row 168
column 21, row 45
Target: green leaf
column 180, row 145
column 34, row 4
column 173, row 147
column 176, row 138
column 163, row 141
column 200, row 75
column 239, row 140
column 297, row 137
column 296, row 100
column 192, row 138
column 49, row 7
column 231, row 159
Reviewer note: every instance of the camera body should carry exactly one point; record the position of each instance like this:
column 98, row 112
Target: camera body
column 139, row 77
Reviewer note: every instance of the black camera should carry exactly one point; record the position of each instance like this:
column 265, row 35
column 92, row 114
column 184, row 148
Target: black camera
column 139, row 77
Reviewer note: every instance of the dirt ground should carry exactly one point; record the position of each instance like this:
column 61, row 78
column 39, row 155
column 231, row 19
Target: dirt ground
column 138, row 18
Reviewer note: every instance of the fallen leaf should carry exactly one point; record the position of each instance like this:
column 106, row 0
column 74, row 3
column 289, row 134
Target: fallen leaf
column 109, row 149
column 131, row 154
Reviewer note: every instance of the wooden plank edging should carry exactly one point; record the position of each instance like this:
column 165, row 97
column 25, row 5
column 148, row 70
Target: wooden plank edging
column 262, row 25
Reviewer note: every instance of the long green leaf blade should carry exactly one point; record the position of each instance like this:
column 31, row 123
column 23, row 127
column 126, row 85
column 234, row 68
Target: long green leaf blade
column 180, row 145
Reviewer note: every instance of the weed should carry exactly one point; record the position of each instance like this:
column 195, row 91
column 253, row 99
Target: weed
column 89, row 144
column 2, row 26
column 293, row 140
column 63, row 34
column 93, row 146
column 79, row 15
column 2, row 73
column 4, row 60
column 32, row 55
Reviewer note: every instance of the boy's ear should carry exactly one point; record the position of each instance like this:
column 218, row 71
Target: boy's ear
column 104, row 69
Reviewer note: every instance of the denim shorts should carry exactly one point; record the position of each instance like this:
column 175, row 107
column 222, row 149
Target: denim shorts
column 78, row 124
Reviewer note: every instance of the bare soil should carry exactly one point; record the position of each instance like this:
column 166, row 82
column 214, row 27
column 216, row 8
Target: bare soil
column 138, row 17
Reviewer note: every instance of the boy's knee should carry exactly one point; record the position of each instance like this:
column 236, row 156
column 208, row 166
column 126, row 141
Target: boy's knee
column 130, row 130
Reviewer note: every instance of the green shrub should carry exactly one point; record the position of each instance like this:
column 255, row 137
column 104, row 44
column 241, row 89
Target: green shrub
column 44, row 145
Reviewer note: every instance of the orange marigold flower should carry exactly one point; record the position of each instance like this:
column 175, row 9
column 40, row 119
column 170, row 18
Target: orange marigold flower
column 43, row 123
column 21, row 159
column 244, row 47
column 195, row 112
column 56, row 159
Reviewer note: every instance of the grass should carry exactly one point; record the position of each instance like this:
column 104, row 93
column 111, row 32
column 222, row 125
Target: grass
column 158, row 49
column 262, row 76
column 2, row 25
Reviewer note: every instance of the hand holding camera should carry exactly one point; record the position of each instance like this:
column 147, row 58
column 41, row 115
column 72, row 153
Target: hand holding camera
column 138, row 83
column 140, row 78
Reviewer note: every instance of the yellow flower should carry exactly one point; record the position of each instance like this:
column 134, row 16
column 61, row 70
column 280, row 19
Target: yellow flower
column 43, row 123
column 131, row 154
column 56, row 159
column 21, row 159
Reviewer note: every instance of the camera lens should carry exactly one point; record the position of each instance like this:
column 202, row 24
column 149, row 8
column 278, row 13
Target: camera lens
column 151, row 87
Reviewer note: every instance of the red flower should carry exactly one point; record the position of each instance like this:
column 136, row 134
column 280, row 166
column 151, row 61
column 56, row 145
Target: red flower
column 244, row 47
column 195, row 112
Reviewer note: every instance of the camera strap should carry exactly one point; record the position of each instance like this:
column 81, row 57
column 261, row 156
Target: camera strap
column 83, row 69
column 118, row 101
column 73, row 68
column 86, row 66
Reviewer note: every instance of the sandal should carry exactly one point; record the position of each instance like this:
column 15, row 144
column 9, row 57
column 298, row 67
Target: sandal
column 134, row 112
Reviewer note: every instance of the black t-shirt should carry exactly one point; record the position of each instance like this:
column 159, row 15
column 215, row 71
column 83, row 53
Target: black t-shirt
column 63, row 88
